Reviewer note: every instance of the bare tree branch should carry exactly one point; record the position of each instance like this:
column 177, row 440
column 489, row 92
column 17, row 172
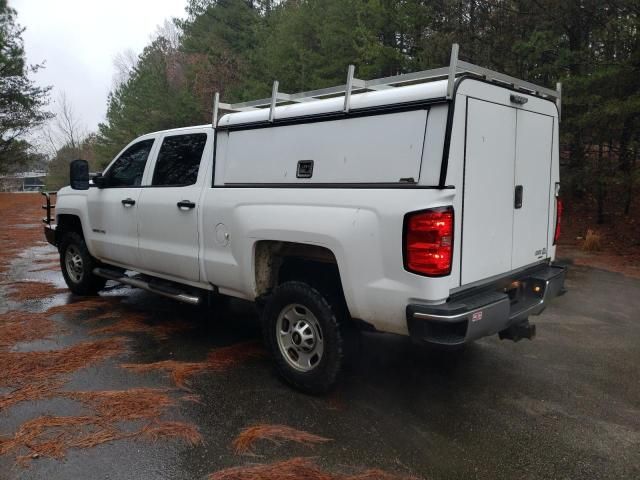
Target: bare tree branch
column 124, row 64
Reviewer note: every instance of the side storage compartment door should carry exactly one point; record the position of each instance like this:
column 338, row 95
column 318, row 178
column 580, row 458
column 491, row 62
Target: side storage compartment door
column 168, row 208
column 370, row 149
column 532, row 180
column 487, row 220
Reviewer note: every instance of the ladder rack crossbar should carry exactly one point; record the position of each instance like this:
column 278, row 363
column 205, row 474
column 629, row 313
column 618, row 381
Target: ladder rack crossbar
column 425, row 75
column 466, row 67
column 456, row 68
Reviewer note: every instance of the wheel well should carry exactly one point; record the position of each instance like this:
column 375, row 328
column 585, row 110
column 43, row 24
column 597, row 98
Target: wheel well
column 68, row 223
column 277, row 262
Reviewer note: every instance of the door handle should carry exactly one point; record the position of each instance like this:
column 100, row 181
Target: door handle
column 186, row 204
column 128, row 202
column 518, row 196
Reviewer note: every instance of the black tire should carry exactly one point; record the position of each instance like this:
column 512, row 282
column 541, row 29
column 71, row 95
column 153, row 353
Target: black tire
column 80, row 279
column 326, row 315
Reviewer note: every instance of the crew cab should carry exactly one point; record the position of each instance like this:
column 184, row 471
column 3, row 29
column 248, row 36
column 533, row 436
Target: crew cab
column 425, row 204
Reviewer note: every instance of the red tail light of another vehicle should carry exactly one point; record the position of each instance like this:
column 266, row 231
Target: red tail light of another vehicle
column 428, row 241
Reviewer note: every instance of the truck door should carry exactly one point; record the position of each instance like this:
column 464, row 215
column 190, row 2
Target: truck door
column 168, row 208
column 488, row 190
column 113, row 210
column 534, row 139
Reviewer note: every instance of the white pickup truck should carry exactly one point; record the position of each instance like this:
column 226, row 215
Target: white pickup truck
column 424, row 204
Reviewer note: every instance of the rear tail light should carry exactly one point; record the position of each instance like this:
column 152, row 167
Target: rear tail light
column 428, row 241
column 559, row 208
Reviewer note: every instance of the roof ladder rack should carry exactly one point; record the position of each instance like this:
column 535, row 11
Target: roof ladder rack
column 456, row 68
column 453, row 69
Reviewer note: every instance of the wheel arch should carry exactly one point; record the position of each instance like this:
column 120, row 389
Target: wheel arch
column 276, row 262
column 67, row 222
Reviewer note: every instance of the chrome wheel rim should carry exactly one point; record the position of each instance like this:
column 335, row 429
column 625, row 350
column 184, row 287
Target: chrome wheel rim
column 300, row 338
column 73, row 263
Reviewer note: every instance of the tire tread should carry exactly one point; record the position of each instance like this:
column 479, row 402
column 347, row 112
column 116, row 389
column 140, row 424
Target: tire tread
column 328, row 314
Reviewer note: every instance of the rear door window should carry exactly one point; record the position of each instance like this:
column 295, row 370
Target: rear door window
column 179, row 160
column 128, row 169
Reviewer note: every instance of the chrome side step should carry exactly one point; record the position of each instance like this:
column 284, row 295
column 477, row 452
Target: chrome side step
column 165, row 291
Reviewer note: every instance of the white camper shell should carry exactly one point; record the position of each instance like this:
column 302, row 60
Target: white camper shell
column 424, row 204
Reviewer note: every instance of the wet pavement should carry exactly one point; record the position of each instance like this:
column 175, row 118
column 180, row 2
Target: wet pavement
column 566, row 405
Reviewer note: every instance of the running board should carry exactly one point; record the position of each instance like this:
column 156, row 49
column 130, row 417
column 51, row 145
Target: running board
column 165, row 291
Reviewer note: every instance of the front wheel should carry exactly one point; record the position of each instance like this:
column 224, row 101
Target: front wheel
column 303, row 332
column 77, row 266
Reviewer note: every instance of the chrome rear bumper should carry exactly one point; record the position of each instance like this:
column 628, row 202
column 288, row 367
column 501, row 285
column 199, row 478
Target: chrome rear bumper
column 469, row 317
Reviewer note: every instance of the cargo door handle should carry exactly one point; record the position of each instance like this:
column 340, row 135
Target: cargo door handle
column 518, row 197
column 186, row 204
column 128, row 202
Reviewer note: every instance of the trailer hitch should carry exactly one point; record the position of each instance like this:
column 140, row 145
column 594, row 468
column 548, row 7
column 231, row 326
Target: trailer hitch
column 518, row 332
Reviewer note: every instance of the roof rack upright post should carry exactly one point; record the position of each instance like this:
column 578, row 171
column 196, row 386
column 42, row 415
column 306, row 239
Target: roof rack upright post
column 214, row 117
column 274, row 100
column 559, row 99
column 453, row 69
column 347, row 89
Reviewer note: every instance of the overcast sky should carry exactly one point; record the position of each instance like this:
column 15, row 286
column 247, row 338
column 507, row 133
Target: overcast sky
column 79, row 40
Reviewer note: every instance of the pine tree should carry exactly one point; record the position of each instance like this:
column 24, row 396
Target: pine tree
column 21, row 101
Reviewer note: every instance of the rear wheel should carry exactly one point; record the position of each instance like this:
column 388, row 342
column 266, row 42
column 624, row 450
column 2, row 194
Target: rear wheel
column 77, row 266
column 303, row 332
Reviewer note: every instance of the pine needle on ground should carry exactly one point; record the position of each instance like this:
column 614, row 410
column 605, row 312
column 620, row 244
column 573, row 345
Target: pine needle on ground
column 218, row 360
column 223, row 358
column 158, row 430
column 24, row 290
column 179, row 372
column 38, row 374
column 293, row 469
column 127, row 322
column 297, row 469
column 54, row 436
column 277, row 434
column 21, row 368
column 83, row 305
column 17, row 327
column 125, row 405
column 30, row 393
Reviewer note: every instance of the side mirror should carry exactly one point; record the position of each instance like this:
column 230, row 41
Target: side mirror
column 99, row 181
column 79, row 175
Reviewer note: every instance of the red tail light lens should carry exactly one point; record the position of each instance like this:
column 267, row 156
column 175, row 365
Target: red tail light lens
column 559, row 208
column 428, row 242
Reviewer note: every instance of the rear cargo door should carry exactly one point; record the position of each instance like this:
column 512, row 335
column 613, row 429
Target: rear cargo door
column 488, row 190
column 534, row 138
column 506, row 189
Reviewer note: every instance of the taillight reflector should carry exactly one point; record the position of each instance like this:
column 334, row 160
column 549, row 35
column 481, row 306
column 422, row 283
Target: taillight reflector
column 428, row 241
column 559, row 207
